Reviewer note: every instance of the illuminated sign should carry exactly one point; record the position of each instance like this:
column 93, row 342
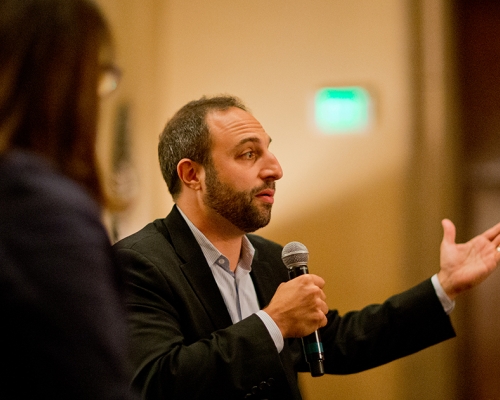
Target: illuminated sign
column 342, row 110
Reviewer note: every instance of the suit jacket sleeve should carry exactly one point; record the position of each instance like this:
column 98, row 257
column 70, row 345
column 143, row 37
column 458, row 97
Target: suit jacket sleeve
column 404, row 324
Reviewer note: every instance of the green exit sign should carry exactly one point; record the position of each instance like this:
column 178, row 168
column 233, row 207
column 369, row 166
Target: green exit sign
column 342, row 110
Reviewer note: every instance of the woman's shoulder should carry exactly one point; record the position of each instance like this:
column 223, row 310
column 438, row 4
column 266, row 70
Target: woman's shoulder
column 39, row 203
column 29, row 182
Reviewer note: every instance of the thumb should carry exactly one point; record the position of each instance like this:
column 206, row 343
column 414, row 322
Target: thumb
column 449, row 231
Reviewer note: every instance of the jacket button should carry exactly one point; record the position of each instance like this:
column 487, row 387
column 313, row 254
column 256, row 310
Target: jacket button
column 270, row 382
column 255, row 390
column 263, row 385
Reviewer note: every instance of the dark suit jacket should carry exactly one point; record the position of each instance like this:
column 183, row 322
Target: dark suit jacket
column 63, row 320
column 184, row 345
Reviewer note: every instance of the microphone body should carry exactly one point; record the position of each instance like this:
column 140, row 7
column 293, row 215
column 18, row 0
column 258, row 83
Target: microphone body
column 295, row 257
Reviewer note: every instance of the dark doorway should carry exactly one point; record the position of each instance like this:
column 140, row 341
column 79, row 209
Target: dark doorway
column 477, row 25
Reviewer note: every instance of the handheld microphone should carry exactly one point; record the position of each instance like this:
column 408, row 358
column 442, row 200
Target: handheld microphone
column 295, row 257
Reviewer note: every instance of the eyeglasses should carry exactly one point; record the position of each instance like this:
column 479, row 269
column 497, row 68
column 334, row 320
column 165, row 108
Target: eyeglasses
column 109, row 79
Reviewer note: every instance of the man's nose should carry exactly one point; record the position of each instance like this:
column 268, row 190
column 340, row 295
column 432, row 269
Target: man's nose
column 272, row 168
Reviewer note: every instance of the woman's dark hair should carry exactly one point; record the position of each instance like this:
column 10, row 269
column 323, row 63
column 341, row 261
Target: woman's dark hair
column 50, row 68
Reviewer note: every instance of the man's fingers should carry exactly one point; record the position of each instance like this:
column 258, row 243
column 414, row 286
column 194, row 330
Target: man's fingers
column 449, row 231
column 318, row 280
column 493, row 233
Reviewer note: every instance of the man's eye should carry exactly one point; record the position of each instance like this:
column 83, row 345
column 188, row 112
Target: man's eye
column 248, row 155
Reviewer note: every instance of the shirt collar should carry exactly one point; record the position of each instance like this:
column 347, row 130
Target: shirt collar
column 212, row 254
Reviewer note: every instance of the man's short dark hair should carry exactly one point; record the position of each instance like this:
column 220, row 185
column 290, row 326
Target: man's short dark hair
column 186, row 135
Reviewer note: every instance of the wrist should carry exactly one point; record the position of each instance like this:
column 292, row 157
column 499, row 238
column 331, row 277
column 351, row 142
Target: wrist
column 447, row 303
column 446, row 285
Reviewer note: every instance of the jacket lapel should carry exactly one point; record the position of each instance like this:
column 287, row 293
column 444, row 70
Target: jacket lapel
column 266, row 277
column 195, row 268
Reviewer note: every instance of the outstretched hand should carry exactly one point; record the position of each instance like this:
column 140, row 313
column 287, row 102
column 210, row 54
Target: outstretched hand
column 465, row 265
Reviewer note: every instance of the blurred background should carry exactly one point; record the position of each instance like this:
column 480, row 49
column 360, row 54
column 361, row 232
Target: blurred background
column 367, row 204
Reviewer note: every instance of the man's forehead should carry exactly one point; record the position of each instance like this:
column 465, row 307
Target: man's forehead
column 235, row 122
column 229, row 116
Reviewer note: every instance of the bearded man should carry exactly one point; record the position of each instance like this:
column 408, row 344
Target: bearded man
column 211, row 311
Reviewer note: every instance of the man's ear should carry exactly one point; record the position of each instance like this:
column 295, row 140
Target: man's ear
column 190, row 173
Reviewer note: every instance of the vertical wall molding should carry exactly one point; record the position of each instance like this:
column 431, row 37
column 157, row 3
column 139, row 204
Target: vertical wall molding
column 431, row 181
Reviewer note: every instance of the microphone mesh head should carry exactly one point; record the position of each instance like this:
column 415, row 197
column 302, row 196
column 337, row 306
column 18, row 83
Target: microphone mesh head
column 294, row 254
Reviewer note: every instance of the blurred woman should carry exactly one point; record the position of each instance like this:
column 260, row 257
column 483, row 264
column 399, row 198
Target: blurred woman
column 63, row 329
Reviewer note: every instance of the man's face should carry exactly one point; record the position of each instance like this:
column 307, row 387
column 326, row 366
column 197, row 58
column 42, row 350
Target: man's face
column 240, row 182
column 237, row 207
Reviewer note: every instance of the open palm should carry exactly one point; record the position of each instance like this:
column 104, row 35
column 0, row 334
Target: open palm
column 465, row 265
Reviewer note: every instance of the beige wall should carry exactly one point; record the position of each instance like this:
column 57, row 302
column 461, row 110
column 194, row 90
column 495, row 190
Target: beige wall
column 350, row 199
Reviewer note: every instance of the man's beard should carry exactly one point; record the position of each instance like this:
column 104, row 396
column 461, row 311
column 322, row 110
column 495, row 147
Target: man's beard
column 237, row 207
